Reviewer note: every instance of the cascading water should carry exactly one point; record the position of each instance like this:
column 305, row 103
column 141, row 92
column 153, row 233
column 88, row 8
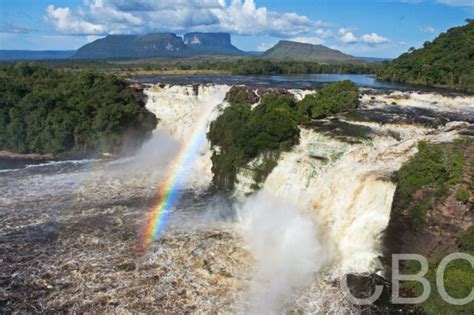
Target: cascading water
column 321, row 211
column 179, row 109
column 70, row 228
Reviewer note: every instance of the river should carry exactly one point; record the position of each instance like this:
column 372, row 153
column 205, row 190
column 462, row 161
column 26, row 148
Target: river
column 70, row 231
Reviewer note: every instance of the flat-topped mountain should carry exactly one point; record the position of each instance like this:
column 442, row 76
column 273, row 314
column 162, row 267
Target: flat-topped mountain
column 158, row 45
column 134, row 46
column 288, row 50
column 212, row 42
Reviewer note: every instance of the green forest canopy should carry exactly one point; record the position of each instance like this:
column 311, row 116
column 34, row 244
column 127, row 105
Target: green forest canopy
column 447, row 61
column 51, row 111
column 243, row 133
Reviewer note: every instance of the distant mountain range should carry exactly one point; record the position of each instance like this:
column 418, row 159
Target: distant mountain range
column 287, row 50
column 35, row 54
column 190, row 45
column 218, row 43
column 158, row 45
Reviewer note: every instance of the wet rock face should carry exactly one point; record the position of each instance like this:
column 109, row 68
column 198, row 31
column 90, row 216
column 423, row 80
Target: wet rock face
column 277, row 91
column 211, row 43
column 249, row 95
column 242, row 95
column 204, row 40
column 139, row 94
column 363, row 286
column 393, row 114
column 341, row 130
column 444, row 219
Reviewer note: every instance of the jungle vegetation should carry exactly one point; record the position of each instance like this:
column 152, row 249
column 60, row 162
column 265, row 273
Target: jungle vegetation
column 43, row 110
column 435, row 168
column 241, row 133
column 212, row 64
column 447, row 61
column 423, row 183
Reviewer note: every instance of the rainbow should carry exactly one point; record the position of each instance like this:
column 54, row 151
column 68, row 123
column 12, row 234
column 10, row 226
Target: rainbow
column 170, row 189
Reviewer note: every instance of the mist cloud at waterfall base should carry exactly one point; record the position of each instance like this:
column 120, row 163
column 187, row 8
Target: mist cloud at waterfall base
column 154, row 156
column 149, row 165
column 284, row 244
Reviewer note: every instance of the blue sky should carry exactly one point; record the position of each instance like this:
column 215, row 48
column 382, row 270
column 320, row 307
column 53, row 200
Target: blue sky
column 376, row 28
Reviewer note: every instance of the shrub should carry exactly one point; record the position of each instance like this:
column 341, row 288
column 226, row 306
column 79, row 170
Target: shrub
column 331, row 99
column 463, row 195
column 458, row 281
column 466, row 239
column 434, row 169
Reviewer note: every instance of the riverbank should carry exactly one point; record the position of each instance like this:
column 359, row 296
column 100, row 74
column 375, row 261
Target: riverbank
column 11, row 160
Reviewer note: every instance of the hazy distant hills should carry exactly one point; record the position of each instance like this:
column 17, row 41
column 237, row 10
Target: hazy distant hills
column 194, row 44
column 134, row 46
column 158, row 45
column 287, row 50
column 190, row 45
column 218, row 43
column 35, row 54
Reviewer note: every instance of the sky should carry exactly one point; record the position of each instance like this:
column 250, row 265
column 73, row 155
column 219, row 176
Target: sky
column 371, row 28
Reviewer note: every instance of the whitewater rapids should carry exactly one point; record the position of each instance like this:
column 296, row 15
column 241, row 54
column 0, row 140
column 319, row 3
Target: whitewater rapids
column 321, row 212
column 69, row 230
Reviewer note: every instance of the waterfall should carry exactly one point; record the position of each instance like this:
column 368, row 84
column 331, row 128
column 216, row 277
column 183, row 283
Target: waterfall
column 179, row 109
column 340, row 190
column 321, row 211
column 436, row 101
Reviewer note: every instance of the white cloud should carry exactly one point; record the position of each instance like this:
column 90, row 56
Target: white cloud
column 143, row 16
column 265, row 46
column 10, row 27
column 457, row 3
column 349, row 38
column 324, row 33
column 452, row 3
column 362, row 49
column 428, row 29
column 68, row 22
column 41, row 41
column 374, row 39
column 308, row 40
column 343, row 31
column 91, row 38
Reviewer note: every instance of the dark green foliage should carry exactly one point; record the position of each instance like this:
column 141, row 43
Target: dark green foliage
column 254, row 66
column 423, row 183
column 448, row 61
column 458, row 281
column 242, row 65
column 242, row 134
column 433, row 169
column 263, row 170
column 48, row 111
column 334, row 98
column 242, row 95
column 226, row 64
column 463, row 195
column 466, row 240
